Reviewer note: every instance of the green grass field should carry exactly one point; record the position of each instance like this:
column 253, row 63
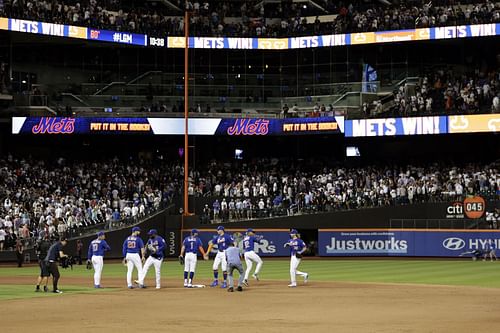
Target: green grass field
column 438, row 272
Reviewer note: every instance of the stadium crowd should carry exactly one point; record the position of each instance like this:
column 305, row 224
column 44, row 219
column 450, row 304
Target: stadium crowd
column 271, row 187
column 253, row 18
column 443, row 91
column 63, row 198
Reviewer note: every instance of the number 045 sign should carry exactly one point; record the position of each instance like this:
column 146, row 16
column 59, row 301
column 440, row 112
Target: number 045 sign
column 471, row 207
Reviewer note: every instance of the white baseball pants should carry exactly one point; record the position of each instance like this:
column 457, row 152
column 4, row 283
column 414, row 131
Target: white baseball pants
column 250, row 258
column 133, row 260
column 157, row 264
column 98, row 263
column 294, row 264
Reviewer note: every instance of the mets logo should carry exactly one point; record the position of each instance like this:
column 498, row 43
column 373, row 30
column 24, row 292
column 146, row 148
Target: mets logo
column 454, row 243
column 249, row 127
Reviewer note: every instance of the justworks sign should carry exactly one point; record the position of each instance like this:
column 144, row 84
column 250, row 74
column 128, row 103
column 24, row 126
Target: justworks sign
column 367, row 246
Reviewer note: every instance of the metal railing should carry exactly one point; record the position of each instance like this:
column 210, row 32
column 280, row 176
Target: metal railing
column 438, row 224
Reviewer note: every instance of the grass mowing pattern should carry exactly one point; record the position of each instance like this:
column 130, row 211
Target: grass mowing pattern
column 18, row 291
column 439, row 272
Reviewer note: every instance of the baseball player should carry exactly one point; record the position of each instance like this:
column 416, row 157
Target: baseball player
column 222, row 240
column 233, row 257
column 155, row 245
column 96, row 255
column 190, row 247
column 250, row 256
column 297, row 248
column 133, row 253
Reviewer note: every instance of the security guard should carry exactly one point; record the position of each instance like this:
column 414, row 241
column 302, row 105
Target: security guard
column 42, row 248
column 51, row 260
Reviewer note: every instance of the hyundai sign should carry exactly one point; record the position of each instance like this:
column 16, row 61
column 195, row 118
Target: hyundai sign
column 419, row 243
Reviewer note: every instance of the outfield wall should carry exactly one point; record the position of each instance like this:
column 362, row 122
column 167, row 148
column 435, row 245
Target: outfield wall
column 403, row 242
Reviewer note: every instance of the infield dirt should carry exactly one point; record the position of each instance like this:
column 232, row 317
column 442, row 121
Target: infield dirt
column 263, row 307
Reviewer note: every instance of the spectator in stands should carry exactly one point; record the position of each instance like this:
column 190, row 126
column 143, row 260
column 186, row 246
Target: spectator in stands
column 37, row 200
column 297, row 190
column 2, row 238
column 250, row 18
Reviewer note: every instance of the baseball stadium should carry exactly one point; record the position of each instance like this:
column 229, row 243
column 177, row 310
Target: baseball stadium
column 269, row 166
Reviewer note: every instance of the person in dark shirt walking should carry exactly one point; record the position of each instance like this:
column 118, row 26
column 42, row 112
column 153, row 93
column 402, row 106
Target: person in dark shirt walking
column 51, row 260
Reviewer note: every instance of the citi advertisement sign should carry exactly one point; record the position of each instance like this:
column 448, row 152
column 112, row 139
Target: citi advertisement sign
column 473, row 207
column 419, row 243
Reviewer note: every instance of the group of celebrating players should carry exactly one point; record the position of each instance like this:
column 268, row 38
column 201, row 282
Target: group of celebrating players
column 228, row 257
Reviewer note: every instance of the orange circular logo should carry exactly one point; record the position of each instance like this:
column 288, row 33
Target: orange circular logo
column 474, row 207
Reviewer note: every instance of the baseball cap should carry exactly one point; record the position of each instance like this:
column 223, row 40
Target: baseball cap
column 293, row 232
column 134, row 229
column 249, row 230
column 152, row 232
column 100, row 233
column 194, row 231
column 220, row 228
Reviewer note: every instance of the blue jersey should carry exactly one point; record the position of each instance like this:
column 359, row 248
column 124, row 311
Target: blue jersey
column 97, row 248
column 296, row 246
column 159, row 243
column 192, row 244
column 222, row 241
column 132, row 244
column 249, row 241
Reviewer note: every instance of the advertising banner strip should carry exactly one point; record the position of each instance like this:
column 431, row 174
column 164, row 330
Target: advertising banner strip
column 409, row 242
column 396, row 126
column 175, row 126
column 474, row 123
column 271, row 244
column 360, row 38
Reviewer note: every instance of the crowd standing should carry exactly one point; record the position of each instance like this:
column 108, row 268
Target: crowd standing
column 62, row 198
column 445, row 91
column 254, row 18
column 271, row 188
